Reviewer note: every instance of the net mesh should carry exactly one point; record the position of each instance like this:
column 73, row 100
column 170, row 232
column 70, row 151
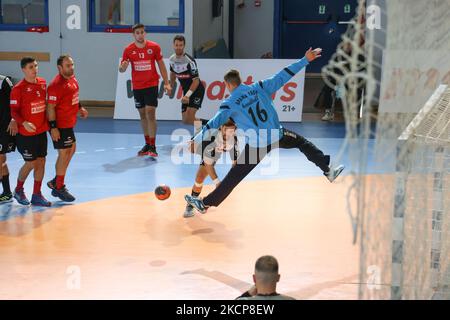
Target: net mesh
column 397, row 144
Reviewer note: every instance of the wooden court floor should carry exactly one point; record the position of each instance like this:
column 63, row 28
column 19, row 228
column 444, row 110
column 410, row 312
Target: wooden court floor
column 137, row 247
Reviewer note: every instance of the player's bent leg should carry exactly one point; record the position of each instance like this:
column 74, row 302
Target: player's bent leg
column 237, row 173
column 188, row 117
column 62, row 162
column 73, row 149
column 143, row 117
column 202, row 174
column 292, row 140
column 19, row 192
column 60, row 190
column 6, row 196
column 144, row 125
column 2, row 163
column 150, row 113
column 227, row 185
column 39, row 170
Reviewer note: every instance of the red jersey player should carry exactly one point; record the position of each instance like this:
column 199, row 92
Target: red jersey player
column 142, row 55
column 28, row 105
column 63, row 107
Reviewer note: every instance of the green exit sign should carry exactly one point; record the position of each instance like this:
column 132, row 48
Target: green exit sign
column 347, row 8
column 322, row 9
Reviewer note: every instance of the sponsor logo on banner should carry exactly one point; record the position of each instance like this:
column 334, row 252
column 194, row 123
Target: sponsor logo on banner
column 407, row 84
column 288, row 100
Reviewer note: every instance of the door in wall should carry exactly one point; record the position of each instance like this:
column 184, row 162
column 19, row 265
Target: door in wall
column 314, row 23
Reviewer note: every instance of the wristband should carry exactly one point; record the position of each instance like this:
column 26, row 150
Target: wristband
column 189, row 93
column 53, row 124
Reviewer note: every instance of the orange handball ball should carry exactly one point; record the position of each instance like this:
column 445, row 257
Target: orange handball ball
column 162, row 192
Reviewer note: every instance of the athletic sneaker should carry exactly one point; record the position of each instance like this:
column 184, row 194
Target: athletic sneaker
column 329, row 115
column 333, row 173
column 6, row 197
column 38, row 200
column 144, row 151
column 197, row 203
column 63, row 194
column 21, row 197
column 152, row 152
column 189, row 212
column 52, row 184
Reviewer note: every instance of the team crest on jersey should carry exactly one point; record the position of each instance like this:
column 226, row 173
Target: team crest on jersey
column 150, row 51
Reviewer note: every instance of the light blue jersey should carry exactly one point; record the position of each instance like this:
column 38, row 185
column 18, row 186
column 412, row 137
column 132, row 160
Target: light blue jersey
column 251, row 108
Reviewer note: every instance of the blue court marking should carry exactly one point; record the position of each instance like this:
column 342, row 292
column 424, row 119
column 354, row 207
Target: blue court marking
column 106, row 164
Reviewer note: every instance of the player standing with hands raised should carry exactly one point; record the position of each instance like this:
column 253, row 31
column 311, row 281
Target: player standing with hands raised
column 143, row 55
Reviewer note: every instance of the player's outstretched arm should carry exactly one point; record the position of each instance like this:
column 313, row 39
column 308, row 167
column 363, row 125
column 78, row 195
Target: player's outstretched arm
column 219, row 119
column 273, row 84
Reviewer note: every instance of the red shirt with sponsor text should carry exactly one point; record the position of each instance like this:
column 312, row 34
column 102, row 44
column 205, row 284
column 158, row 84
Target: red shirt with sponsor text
column 142, row 61
column 64, row 93
column 29, row 103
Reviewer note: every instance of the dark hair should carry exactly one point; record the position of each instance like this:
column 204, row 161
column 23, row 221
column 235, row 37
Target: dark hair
column 267, row 264
column 229, row 123
column 61, row 59
column 233, row 77
column 138, row 26
column 26, row 60
column 179, row 38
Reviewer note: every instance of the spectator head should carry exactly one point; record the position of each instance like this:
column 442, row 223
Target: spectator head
column 266, row 274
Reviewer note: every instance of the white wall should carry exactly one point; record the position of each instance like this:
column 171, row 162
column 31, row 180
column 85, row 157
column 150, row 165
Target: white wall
column 206, row 27
column 96, row 54
column 155, row 12
column 253, row 30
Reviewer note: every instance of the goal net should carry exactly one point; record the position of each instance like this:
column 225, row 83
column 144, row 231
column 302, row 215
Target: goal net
column 393, row 71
